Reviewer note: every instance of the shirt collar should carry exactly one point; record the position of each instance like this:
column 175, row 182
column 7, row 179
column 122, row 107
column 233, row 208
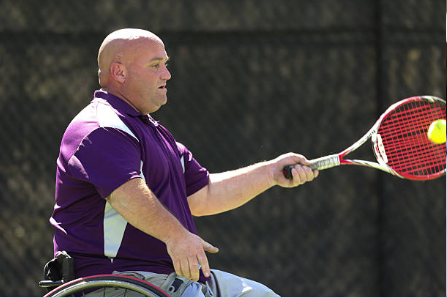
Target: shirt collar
column 122, row 106
column 117, row 103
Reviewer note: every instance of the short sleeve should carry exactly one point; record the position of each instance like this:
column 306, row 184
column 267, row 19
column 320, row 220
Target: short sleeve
column 196, row 176
column 106, row 158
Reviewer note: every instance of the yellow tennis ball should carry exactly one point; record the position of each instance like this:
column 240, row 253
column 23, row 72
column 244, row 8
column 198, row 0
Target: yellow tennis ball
column 436, row 131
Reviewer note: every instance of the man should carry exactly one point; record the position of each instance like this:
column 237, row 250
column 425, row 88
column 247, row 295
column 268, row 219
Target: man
column 126, row 191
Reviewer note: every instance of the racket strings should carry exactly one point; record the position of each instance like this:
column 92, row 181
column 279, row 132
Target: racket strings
column 412, row 147
column 404, row 137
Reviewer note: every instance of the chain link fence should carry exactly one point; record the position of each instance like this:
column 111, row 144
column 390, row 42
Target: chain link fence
column 250, row 80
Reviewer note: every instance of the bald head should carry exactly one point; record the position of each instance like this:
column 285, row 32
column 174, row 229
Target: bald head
column 133, row 66
column 120, row 46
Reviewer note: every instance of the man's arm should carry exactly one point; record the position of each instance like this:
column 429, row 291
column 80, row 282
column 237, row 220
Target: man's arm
column 136, row 203
column 229, row 190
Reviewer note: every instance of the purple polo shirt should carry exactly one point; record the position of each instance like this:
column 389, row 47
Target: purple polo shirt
column 105, row 145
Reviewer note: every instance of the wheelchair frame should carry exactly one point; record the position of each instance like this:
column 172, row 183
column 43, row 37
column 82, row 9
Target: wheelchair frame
column 92, row 283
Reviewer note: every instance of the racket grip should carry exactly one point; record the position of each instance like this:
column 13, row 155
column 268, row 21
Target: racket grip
column 321, row 163
column 325, row 162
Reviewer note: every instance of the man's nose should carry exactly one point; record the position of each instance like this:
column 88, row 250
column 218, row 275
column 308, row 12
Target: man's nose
column 166, row 75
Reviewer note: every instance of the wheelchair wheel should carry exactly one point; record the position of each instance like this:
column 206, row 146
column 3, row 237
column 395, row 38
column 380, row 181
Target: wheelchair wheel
column 106, row 286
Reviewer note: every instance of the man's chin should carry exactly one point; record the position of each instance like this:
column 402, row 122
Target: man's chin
column 159, row 104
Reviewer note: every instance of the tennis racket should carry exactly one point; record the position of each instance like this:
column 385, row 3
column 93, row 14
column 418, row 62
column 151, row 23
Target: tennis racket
column 399, row 141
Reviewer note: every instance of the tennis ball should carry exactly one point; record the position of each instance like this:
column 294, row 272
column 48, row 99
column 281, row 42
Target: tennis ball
column 436, row 131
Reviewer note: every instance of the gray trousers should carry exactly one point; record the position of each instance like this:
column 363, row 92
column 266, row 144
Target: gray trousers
column 221, row 284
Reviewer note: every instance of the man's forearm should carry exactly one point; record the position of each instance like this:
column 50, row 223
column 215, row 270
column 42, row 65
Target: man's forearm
column 229, row 190
column 135, row 202
column 139, row 207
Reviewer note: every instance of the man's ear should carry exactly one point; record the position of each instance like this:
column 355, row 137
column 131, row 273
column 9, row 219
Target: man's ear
column 118, row 72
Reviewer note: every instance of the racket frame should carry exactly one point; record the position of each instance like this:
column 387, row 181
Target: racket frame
column 335, row 160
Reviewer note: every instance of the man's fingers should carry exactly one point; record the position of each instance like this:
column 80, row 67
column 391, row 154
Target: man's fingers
column 194, row 269
column 299, row 159
column 299, row 177
column 185, row 269
column 178, row 268
column 203, row 260
column 309, row 173
column 302, row 174
column 209, row 247
column 189, row 259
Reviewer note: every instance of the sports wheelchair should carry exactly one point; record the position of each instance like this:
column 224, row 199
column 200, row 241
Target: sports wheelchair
column 60, row 282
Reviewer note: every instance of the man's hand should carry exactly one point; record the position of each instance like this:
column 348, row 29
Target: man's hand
column 187, row 252
column 301, row 174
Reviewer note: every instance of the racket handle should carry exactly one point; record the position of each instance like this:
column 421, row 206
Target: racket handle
column 321, row 163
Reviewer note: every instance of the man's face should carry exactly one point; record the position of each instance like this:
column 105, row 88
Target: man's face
column 147, row 76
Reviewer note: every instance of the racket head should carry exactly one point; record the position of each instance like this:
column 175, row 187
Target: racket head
column 401, row 142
